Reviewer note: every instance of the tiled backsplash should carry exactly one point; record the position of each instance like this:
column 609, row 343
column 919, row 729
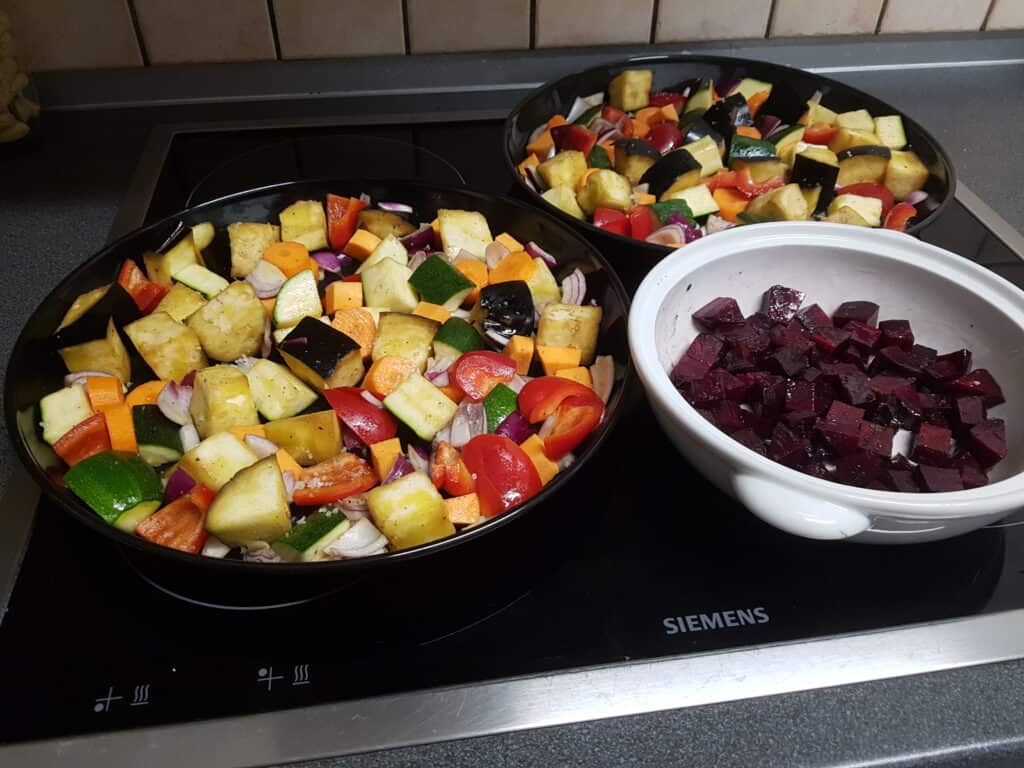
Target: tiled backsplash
column 87, row 34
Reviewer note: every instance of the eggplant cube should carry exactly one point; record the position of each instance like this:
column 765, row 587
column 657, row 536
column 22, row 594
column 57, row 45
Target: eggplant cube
column 463, row 230
column 564, row 199
column 170, row 348
column 180, row 302
column 386, row 286
column 221, row 399
column 106, row 355
column 633, row 157
column 606, row 189
column 409, row 511
column 782, row 204
column 508, row 309
column 904, row 174
column 564, row 169
column 305, row 222
column 570, row 325
column 217, row 459
column 162, row 268
column 248, row 241
column 678, row 168
column 309, row 438
column 252, row 507
column 384, row 223
column 322, row 356
column 230, row 325
column 408, row 336
column 89, row 313
column 631, row 90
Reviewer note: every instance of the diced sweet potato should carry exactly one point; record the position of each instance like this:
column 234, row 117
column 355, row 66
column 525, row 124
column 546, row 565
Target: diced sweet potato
column 978, row 382
column 719, row 312
column 987, row 441
column 780, row 303
column 896, row 333
column 939, row 479
column 863, row 311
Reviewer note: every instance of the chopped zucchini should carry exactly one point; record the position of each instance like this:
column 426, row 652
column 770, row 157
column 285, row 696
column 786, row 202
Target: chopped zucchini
column 305, row 222
column 162, row 268
column 699, row 199
column 180, row 302
column 298, row 298
column 63, row 409
column 868, row 208
column 217, row 459
column 706, row 152
column 106, row 355
column 200, row 279
column 252, row 507
column 322, row 356
column 454, row 338
column 631, row 90
column 605, row 189
column 310, row 438
column 221, row 399
column 782, row 204
column 305, row 543
column 408, row 336
column 385, row 223
column 388, row 248
column 158, row 437
column 231, row 324
column 276, row 391
column 570, row 325
column 749, row 86
column 386, row 286
column 438, row 282
column 420, row 406
column 678, row 169
column 846, row 138
column 564, row 169
column 701, row 99
column 564, row 199
column 248, row 241
column 889, row 129
column 905, row 174
column 633, row 158
column 170, row 348
column 409, row 511
column 119, row 487
column 463, row 230
column 787, row 137
column 857, row 120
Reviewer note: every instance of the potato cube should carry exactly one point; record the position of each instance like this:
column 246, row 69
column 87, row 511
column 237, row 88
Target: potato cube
column 631, row 90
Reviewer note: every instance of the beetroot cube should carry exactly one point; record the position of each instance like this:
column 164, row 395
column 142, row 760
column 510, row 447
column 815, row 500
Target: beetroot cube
column 901, row 480
column 863, row 335
column 718, row 312
column 829, row 339
column 792, row 334
column 801, row 422
column 781, row 303
column 734, row 362
column 841, row 427
column 786, row 446
column 817, row 469
column 751, row 336
column 855, row 388
column 810, row 374
column 824, row 395
column 896, row 333
column 939, row 479
column 855, row 356
column 813, row 317
column 883, row 385
column 698, row 360
column 978, row 382
column 708, row 415
column 788, row 360
column 729, row 416
column 876, row 439
column 801, row 396
column 932, row 445
column 717, row 385
column 858, row 468
column 951, row 366
column 987, row 441
column 972, row 475
column 863, row 311
column 936, row 409
column 748, row 438
column 841, row 413
column 908, row 361
column 832, row 370
column 968, row 411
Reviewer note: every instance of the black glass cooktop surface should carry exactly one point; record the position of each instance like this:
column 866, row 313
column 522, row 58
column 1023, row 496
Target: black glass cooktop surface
column 649, row 559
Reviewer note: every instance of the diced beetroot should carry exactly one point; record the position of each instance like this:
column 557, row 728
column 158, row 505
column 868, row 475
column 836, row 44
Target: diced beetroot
column 912, row 361
column 841, row 427
column 729, row 416
column 829, row 339
column 734, row 362
column 718, row 312
column 876, row 439
column 761, row 425
column 901, row 480
column 909, row 402
column 858, row 468
column 698, row 360
column 841, row 413
column 855, row 356
column 748, row 438
column 832, row 371
column 932, row 445
column 786, row 447
column 951, row 366
column 800, row 396
column 862, row 311
column 813, row 317
column 717, row 385
column 801, row 422
column 781, row 303
column 971, row 473
column 810, row 374
column 896, row 333
column 899, row 461
column 792, row 334
column 883, row 385
column 936, row 408
column 863, row 335
column 688, row 370
column 978, row 382
column 987, row 441
column 939, row 479
column 817, row 469
column 707, row 415
column 755, row 378
column 968, row 411
column 824, row 395
column 752, row 335
column 788, row 360
column 855, row 388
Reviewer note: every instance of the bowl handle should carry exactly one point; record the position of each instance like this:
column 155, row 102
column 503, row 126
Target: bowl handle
column 798, row 513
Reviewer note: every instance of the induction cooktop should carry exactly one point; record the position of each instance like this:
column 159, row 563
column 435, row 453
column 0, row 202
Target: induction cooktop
column 662, row 591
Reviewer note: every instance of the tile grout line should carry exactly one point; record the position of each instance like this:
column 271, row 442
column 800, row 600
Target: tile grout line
column 655, row 10
column 881, row 16
column 988, row 15
column 273, row 29
column 771, row 19
column 405, row 27
column 139, row 39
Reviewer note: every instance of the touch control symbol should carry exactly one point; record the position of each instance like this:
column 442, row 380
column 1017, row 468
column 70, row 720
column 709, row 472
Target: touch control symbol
column 140, row 696
column 266, row 675
column 300, row 674
column 103, row 702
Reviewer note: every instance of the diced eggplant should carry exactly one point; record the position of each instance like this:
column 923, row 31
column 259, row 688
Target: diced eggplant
column 708, row 154
column 230, row 325
column 564, row 199
column 409, row 511
column 846, row 215
column 631, row 90
column 675, row 165
column 305, row 222
column 749, row 86
column 508, row 308
column 170, row 348
column 782, row 204
column 863, row 164
column 605, row 189
column 726, row 115
column 857, row 120
column 816, row 113
column 88, row 314
column 221, row 399
column 322, row 356
column 868, row 208
column 384, row 223
column 162, row 268
column 846, row 138
column 904, row 174
column 389, row 247
column 309, row 439
column 386, row 286
column 816, row 168
column 564, row 169
column 463, row 230
column 786, row 137
column 762, row 170
column 813, row 197
column 633, row 157
column 180, row 302
column 698, row 198
column 106, row 355
column 248, row 241
column 402, row 335
column 217, row 459
column 784, row 103
column 890, row 130
column 570, row 325
column 252, row 507
column 694, row 128
column 701, row 98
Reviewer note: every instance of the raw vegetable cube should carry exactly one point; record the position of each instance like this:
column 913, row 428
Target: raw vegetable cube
column 509, row 242
column 631, row 90
column 106, row 355
column 432, row 311
column 605, row 189
column 476, row 272
column 341, row 295
column 252, row 507
column 409, row 511
column 580, row 375
column 384, row 223
column 987, row 441
column 248, row 241
column 520, row 349
column 248, row 429
column 360, row 325
column 564, row 169
column 857, row 120
column 383, row 455
column 564, row 199
column 554, row 359
column 297, row 299
column 63, row 409
column 287, row 463
column 388, row 248
column 721, row 311
column 230, row 325
column 420, row 406
column 221, row 399
column 305, row 222
column 498, row 405
column 309, row 439
column 361, row 244
column 533, row 446
column 518, row 265
column 905, row 174
column 386, row 286
column 465, row 230
column 276, row 391
column 202, row 235
column 305, row 543
column 217, row 459
column 939, row 480
column 201, row 279
column 542, row 284
column 180, row 302
column 440, row 283
column 170, row 348
column 408, row 336
column 462, row 510
column 570, row 325
column 782, row 204
column 162, row 268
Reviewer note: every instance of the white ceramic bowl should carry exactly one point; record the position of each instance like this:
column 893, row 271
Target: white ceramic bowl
column 950, row 302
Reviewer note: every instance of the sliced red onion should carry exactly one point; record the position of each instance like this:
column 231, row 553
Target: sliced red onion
column 261, row 446
column 602, row 374
column 189, row 437
column 496, row 337
column 419, row 457
column 419, row 239
column 539, row 253
column 718, row 224
column 565, row 462
column 551, row 153
column 259, row 552
column 178, row 484
column 918, row 196
column 365, row 198
column 328, row 261
column 416, row 258
column 600, row 125
column 266, row 279
column 548, row 426
column 361, row 540
column 535, row 178
column 444, row 436
column 670, row 234
column 517, row 383
column 290, row 482
column 438, row 378
column 613, row 134
column 494, row 253
column 766, row 124
column 462, row 314
column 515, row 427
column 528, row 181
column 214, row 547
column 393, row 207
column 354, row 507
column 400, row 468
column 267, row 345
column 351, row 440
column 371, row 399
column 469, row 421
column 79, row 377
column 439, row 364
column 691, row 231
column 173, row 402
column 776, row 130
column 574, row 287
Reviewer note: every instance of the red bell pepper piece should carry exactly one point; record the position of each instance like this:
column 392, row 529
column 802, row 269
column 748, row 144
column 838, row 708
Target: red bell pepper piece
column 820, row 133
column 449, row 472
column 742, row 181
column 85, row 439
column 575, row 418
column 370, row 423
column 573, row 137
column 665, row 137
column 612, row 114
column 337, row 478
column 181, row 524
column 505, row 475
column 611, row 221
column 342, row 219
column 664, row 98
column 899, row 216
column 542, row 396
column 642, row 221
column 145, row 293
column 352, row 279
column 477, row 373
column 867, row 189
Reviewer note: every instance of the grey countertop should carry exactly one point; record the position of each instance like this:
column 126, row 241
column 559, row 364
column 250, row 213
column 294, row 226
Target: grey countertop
column 59, row 194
